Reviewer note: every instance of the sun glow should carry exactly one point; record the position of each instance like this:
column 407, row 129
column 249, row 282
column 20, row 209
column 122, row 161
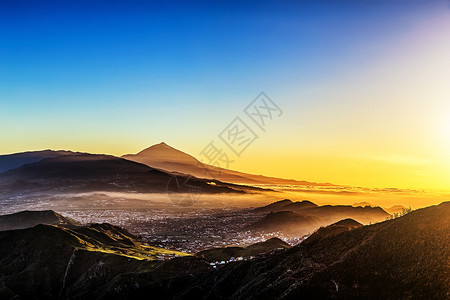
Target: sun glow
column 446, row 130
column 442, row 132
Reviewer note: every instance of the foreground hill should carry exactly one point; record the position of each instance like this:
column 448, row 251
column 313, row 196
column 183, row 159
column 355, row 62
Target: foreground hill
column 335, row 228
column 53, row 262
column 403, row 258
column 81, row 172
column 165, row 157
column 303, row 217
column 26, row 219
column 220, row 254
column 407, row 257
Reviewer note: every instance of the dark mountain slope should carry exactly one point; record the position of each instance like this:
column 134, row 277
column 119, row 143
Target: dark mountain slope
column 275, row 206
column 219, row 254
column 286, row 205
column 407, row 257
column 299, row 205
column 404, row 258
column 76, row 166
column 88, row 172
column 336, row 228
column 26, row 219
column 12, row 161
column 51, row 262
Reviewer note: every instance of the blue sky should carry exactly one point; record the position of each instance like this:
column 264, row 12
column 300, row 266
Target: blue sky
column 105, row 54
column 117, row 76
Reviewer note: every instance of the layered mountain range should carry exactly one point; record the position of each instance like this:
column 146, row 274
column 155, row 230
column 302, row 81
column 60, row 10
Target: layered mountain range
column 346, row 251
column 302, row 217
column 84, row 172
column 159, row 168
column 406, row 257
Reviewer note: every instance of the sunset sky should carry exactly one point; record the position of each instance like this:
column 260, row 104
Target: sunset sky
column 364, row 86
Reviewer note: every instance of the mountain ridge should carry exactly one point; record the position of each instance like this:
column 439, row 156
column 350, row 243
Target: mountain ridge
column 15, row 160
column 81, row 172
column 403, row 258
column 397, row 259
column 27, row 218
column 168, row 158
column 301, row 218
column 226, row 253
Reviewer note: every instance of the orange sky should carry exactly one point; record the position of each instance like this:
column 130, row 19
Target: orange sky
column 380, row 120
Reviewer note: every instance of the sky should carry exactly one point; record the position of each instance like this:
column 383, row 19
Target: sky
column 362, row 85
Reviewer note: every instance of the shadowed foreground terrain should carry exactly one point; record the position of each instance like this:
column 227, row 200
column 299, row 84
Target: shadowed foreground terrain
column 407, row 257
column 219, row 254
column 55, row 262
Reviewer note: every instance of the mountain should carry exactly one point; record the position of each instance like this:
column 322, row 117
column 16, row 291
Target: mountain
column 83, row 172
column 403, row 258
column 395, row 209
column 275, row 206
column 362, row 204
column 225, row 254
column 164, row 154
column 335, row 228
column 165, row 157
column 334, row 213
column 304, row 217
column 26, row 219
column 12, row 161
column 53, row 262
column 285, row 204
column 347, row 224
column 300, row 205
column 287, row 222
column 391, row 210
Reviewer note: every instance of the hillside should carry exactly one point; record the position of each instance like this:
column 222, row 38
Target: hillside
column 335, row 228
column 407, row 257
column 83, row 172
column 219, row 254
column 285, row 205
column 52, row 262
column 12, row 161
column 304, row 217
column 403, row 258
column 26, row 219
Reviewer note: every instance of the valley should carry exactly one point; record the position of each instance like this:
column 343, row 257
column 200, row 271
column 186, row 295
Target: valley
column 114, row 229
